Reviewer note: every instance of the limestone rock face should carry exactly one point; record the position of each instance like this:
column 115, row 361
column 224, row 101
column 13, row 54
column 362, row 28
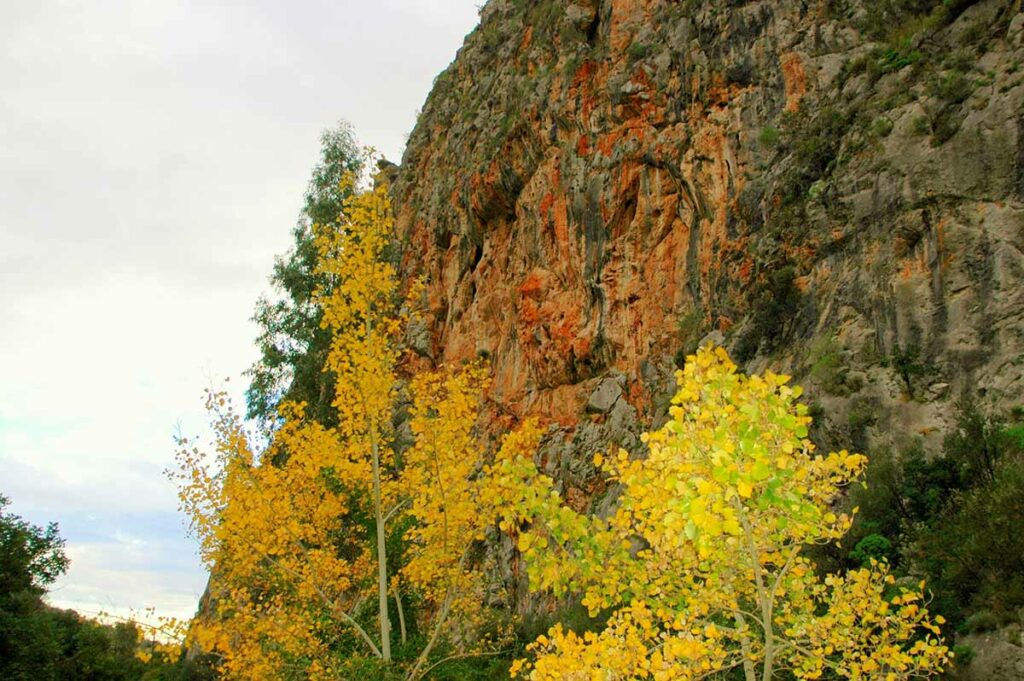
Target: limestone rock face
column 592, row 187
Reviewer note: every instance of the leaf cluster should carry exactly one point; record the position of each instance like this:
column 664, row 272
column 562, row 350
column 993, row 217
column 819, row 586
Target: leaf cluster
column 293, row 344
column 700, row 564
column 950, row 517
column 41, row 643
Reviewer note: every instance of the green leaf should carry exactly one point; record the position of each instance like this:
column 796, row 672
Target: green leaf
column 761, row 471
column 690, row 530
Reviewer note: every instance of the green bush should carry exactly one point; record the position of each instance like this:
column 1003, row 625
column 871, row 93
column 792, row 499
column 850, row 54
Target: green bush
column 775, row 301
column 953, row 87
column 963, row 654
column 956, row 519
column 898, row 57
column 973, row 552
column 920, row 126
column 828, row 366
column 882, row 127
column 638, row 51
column 907, row 362
column 862, row 415
column 944, row 126
column 978, row 442
column 979, row 623
column 814, row 142
column 927, row 484
column 689, row 329
column 873, row 547
column 892, row 19
column 769, row 136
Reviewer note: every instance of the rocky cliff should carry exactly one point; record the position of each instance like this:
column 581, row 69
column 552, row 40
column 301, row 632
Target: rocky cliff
column 834, row 188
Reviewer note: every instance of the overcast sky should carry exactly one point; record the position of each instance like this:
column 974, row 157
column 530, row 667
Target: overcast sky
column 153, row 157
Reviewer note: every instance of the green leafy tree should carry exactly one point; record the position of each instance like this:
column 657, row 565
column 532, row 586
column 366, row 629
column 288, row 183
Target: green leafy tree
column 700, row 564
column 293, row 345
column 41, row 643
column 31, row 558
column 973, row 552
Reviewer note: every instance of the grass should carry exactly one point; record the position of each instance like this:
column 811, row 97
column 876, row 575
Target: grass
column 769, row 136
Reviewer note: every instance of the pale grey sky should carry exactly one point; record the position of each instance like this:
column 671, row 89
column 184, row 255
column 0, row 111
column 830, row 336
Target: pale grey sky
column 153, row 157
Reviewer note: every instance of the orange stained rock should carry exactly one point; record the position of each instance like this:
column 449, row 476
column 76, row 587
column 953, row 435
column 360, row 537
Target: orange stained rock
column 638, row 396
column 606, row 142
column 746, row 269
column 545, row 204
column 946, row 257
column 560, row 405
column 795, row 79
column 527, row 40
column 529, row 303
column 625, row 15
column 535, row 284
column 583, row 145
column 907, row 268
column 582, row 86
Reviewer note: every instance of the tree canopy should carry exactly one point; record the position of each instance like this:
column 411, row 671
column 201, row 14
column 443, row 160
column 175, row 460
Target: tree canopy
column 293, row 344
column 700, row 563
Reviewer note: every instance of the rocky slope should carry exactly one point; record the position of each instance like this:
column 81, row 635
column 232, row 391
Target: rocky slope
column 832, row 188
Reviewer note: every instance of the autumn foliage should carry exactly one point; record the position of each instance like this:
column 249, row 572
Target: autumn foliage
column 331, row 546
column 297, row 535
column 701, row 565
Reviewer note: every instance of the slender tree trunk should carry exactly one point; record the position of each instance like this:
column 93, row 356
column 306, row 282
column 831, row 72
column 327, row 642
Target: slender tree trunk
column 749, row 673
column 401, row 614
column 382, row 556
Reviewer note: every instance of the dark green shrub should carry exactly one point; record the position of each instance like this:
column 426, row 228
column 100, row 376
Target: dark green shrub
column 920, row 126
column 689, row 330
column 775, row 302
column 1015, row 437
column 828, row 366
column 882, row 127
column 953, row 87
column 927, row 485
column 955, row 518
column 907, row 362
column 814, row 142
column 979, row 623
column 945, row 125
column 872, row 547
column 963, row 654
column 769, row 136
column 862, row 415
column 898, row 57
column 638, row 51
column 978, row 443
column 973, row 553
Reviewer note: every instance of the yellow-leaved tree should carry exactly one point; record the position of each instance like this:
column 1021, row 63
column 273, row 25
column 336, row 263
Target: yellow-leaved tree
column 300, row 537
column 700, row 565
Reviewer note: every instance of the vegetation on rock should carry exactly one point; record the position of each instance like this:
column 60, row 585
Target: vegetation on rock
column 700, row 565
column 302, row 536
column 592, row 188
column 949, row 518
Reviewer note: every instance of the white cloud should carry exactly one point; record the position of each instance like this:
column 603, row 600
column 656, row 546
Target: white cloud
column 118, row 577
column 155, row 157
